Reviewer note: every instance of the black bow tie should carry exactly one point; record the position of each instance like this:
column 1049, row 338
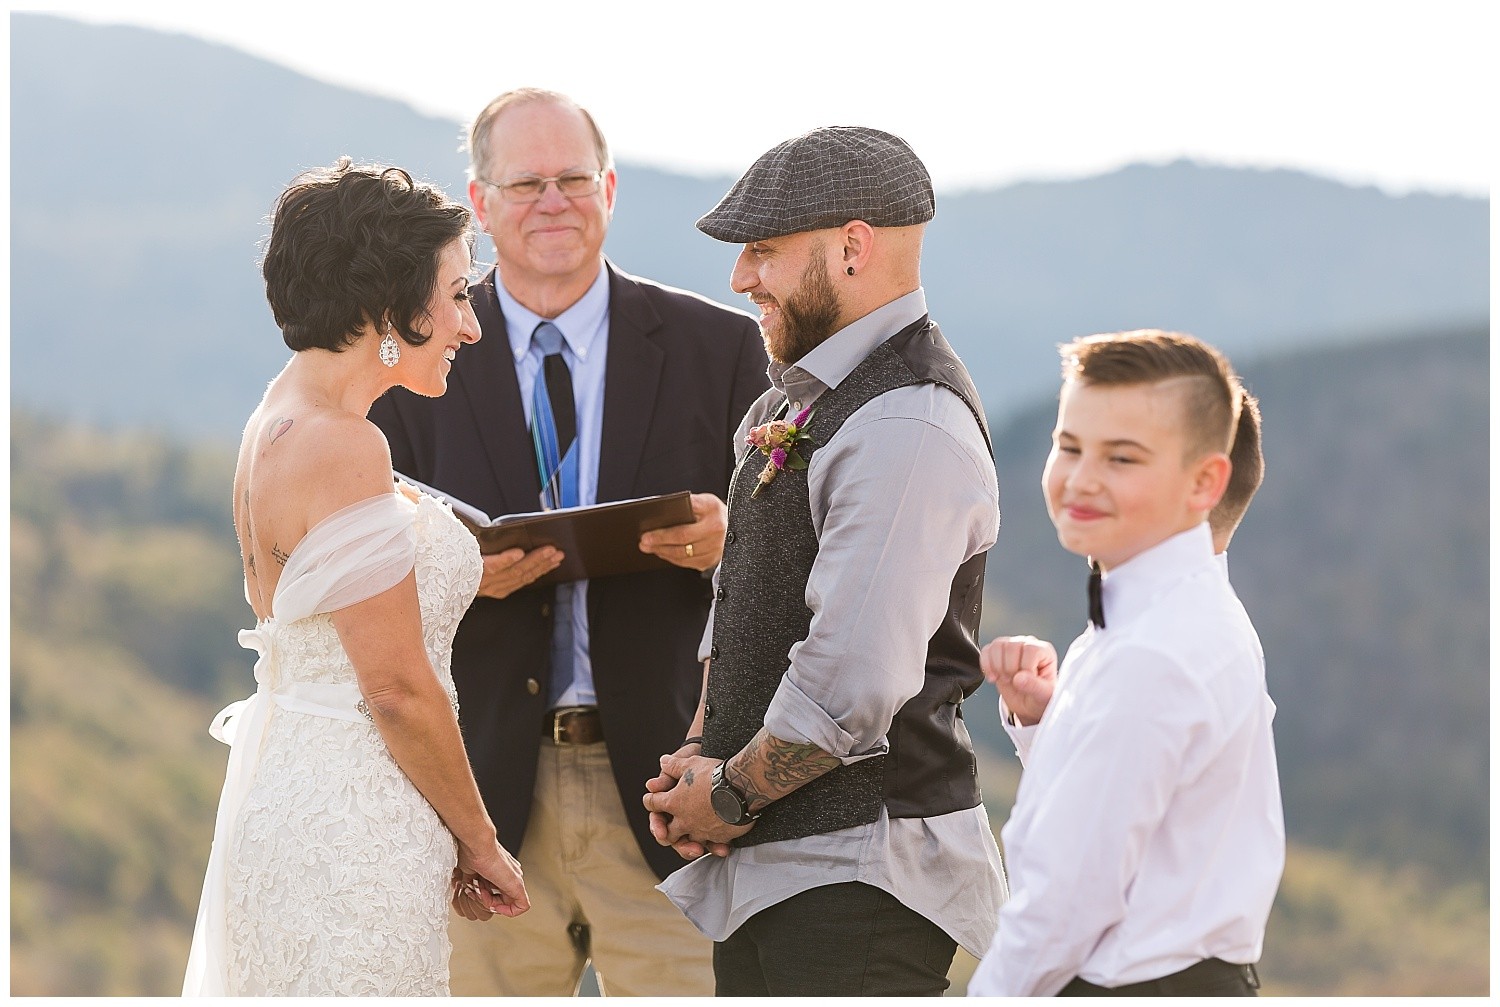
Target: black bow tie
column 1096, row 595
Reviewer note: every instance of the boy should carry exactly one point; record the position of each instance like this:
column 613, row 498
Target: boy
column 1147, row 842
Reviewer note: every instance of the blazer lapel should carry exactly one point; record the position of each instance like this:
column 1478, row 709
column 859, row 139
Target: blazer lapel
column 494, row 396
column 632, row 371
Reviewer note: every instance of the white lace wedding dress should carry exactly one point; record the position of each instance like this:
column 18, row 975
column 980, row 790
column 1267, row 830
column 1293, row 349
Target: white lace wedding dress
column 330, row 873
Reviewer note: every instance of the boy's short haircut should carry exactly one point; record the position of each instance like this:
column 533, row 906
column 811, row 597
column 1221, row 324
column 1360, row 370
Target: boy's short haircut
column 1146, row 356
column 1249, row 468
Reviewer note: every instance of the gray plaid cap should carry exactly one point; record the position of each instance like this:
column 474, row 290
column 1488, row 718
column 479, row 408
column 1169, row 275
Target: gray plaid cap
column 825, row 178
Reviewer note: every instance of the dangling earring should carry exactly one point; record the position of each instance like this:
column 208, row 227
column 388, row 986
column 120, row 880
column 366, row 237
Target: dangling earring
column 850, row 270
column 390, row 350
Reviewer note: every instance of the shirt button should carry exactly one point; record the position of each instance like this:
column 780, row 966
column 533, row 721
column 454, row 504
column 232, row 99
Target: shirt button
column 533, row 686
column 546, row 610
column 797, row 405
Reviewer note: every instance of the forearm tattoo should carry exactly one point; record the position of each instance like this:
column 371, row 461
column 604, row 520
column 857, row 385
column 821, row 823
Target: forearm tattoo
column 279, row 556
column 769, row 768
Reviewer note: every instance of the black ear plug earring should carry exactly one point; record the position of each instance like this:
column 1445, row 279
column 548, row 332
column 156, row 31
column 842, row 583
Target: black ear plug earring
column 850, row 270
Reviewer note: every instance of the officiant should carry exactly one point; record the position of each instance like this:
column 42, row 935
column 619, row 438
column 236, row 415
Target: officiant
column 834, row 754
column 590, row 385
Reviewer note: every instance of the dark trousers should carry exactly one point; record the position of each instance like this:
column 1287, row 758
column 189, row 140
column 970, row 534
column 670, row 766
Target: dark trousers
column 848, row 939
column 1209, row 978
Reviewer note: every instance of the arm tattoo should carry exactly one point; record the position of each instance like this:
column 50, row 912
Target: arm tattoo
column 770, row 768
column 278, row 428
column 279, row 556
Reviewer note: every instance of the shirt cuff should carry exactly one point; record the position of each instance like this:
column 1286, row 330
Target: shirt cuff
column 1020, row 735
column 794, row 717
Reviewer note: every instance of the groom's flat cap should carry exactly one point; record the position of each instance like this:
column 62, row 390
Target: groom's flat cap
column 825, row 178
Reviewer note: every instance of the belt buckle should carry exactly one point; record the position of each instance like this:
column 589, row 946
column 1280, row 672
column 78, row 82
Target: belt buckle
column 557, row 716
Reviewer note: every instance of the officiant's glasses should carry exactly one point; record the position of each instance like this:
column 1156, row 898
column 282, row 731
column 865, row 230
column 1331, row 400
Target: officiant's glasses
column 529, row 188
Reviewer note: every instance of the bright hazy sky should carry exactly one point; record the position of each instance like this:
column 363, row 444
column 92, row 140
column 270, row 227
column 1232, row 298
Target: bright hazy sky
column 1398, row 94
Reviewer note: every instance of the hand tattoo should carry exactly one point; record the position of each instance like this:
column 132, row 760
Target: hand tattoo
column 687, row 777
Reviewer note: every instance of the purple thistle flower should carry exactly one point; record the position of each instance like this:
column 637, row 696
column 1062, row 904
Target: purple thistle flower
column 778, row 458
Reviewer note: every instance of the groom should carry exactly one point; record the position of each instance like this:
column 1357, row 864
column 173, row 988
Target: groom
column 834, row 760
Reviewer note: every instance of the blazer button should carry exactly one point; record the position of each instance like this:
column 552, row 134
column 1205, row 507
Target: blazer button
column 533, row 686
column 546, row 610
column 714, row 653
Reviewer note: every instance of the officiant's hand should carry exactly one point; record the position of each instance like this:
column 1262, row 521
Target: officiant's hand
column 696, row 545
column 507, row 572
column 1024, row 669
column 686, row 847
column 691, row 814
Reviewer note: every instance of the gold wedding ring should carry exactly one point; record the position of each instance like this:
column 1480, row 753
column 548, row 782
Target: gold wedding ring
column 689, row 548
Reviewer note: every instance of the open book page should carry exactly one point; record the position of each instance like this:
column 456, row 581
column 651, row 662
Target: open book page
column 597, row 540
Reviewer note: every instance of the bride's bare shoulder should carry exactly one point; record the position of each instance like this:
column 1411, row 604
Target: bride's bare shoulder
column 326, row 458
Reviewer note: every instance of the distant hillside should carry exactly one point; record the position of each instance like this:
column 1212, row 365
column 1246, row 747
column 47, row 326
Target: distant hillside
column 126, row 594
column 1364, row 562
column 136, row 296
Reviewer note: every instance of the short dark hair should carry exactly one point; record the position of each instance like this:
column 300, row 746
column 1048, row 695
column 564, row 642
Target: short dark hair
column 1146, row 356
column 353, row 245
column 1248, row 471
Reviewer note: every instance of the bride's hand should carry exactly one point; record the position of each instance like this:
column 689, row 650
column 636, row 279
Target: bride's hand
column 488, row 882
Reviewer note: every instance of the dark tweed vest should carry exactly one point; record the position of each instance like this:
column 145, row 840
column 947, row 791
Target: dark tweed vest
column 769, row 550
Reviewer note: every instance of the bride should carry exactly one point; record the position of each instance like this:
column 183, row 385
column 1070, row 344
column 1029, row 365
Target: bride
column 349, row 818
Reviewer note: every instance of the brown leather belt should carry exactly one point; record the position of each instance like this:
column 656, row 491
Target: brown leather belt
column 573, row 725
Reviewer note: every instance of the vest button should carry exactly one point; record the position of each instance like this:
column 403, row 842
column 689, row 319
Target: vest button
column 708, row 710
column 533, row 686
column 546, row 610
column 714, row 653
column 719, row 594
column 729, row 537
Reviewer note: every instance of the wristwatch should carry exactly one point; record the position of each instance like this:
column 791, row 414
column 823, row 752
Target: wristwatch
column 729, row 804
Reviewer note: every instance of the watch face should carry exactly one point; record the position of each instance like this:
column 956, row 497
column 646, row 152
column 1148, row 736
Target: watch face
column 727, row 805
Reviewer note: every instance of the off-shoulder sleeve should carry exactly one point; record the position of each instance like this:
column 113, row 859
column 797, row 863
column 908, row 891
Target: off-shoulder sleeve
column 350, row 556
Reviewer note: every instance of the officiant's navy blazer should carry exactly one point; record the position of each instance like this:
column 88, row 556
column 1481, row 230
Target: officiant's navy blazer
column 680, row 373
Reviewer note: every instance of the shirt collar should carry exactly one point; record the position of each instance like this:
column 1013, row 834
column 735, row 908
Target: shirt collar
column 831, row 361
column 580, row 323
column 1130, row 587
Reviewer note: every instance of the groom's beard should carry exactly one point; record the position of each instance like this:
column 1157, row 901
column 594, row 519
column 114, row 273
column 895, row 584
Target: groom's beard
column 808, row 316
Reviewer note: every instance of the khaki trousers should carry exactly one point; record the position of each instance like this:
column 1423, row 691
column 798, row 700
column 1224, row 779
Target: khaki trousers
column 583, row 869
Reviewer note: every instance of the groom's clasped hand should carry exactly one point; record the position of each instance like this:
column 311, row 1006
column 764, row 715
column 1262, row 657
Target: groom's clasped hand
column 682, row 816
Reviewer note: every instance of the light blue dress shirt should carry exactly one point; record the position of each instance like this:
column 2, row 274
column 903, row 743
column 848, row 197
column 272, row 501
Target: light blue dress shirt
column 585, row 330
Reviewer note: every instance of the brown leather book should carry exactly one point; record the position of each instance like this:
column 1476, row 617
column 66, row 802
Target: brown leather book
column 596, row 541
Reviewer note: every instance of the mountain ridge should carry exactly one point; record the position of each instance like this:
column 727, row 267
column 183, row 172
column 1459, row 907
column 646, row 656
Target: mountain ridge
column 169, row 326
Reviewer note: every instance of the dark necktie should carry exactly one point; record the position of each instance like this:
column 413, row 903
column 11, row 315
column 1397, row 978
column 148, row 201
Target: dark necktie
column 1096, row 595
column 554, row 436
column 554, row 422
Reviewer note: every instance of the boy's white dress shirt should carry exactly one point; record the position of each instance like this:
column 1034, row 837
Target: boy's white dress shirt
column 1147, row 833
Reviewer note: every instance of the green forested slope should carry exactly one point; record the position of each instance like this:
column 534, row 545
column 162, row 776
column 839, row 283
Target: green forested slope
column 1363, row 563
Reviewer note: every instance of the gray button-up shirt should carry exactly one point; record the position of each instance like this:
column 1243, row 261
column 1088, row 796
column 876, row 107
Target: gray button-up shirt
column 901, row 495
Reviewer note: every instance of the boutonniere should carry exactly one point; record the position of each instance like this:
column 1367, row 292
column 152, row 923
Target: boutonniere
column 778, row 440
